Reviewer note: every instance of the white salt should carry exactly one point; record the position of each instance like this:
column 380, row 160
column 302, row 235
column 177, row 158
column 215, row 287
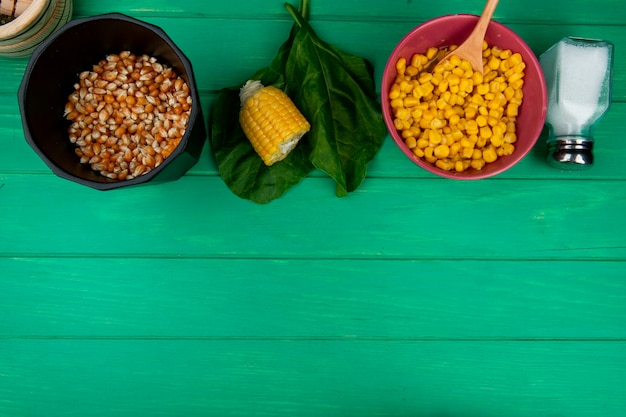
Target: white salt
column 575, row 73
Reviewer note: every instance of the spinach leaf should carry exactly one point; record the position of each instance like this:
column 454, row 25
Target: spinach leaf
column 336, row 91
column 239, row 165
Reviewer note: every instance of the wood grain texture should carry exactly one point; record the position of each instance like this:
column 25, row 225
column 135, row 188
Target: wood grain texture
column 230, row 64
column 92, row 378
column 316, row 299
column 414, row 296
column 406, row 220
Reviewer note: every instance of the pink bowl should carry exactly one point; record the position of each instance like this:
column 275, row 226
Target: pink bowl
column 453, row 30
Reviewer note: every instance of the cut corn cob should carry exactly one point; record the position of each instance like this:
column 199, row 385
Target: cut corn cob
column 271, row 121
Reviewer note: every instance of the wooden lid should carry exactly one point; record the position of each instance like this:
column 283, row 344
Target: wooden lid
column 30, row 14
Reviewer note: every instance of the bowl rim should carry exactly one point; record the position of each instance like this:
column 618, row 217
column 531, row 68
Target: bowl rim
column 390, row 68
column 195, row 114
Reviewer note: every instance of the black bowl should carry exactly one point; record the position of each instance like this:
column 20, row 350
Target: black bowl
column 53, row 70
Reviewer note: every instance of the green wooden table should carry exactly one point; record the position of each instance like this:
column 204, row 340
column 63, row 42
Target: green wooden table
column 413, row 296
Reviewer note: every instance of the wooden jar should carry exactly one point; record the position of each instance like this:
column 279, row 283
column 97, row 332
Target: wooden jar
column 35, row 20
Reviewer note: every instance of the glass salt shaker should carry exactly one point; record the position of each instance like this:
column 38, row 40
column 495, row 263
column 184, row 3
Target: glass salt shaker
column 578, row 78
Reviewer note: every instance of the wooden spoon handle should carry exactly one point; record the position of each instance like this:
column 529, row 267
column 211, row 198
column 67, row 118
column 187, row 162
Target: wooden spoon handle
column 478, row 34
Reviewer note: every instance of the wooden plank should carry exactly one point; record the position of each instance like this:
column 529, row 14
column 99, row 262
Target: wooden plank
column 577, row 11
column 222, row 64
column 321, row 299
column 18, row 157
column 384, row 219
column 92, row 378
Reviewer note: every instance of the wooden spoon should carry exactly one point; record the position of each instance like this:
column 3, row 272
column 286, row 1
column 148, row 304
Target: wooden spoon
column 472, row 48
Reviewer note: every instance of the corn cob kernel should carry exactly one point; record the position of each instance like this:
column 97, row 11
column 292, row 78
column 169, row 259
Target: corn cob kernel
column 271, row 121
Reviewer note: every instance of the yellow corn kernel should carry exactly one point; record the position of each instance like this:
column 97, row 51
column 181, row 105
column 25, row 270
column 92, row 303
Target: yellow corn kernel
column 454, row 79
column 444, row 164
column 410, row 142
column 437, row 123
column 435, row 137
column 466, row 142
column 412, row 71
column 498, row 129
column 477, row 99
column 489, row 154
column 416, row 113
column 424, row 123
column 428, row 114
column 419, row 60
column 478, row 164
column 401, row 113
column 410, row 132
column 494, row 62
column 401, row 65
column 508, row 149
column 477, row 78
column 459, row 166
column 427, row 88
column 471, row 127
column 466, row 85
column 515, row 76
column 271, row 121
column 410, row 101
column 505, row 54
column 457, row 135
column 422, row 143
column 510, row 127
column 397, row 102
column 496, row 114
column 510, row 137
column 512, row 110
column 518, row 84
column 455, row 148
column 394, row 91
column 516, row 58
column 485, row 132
column 449, row 112
column 425, row 77
column 492, row 121
column 496, row 140
column 482, row 89
column 418, row 152
column 467, row 152
column 442, row 151
column 481, row 121
column 443, row 85
column 431, row 52
column 489, row 76
column 406, row 86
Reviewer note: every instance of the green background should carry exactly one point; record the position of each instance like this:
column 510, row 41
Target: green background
column 413, row 296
